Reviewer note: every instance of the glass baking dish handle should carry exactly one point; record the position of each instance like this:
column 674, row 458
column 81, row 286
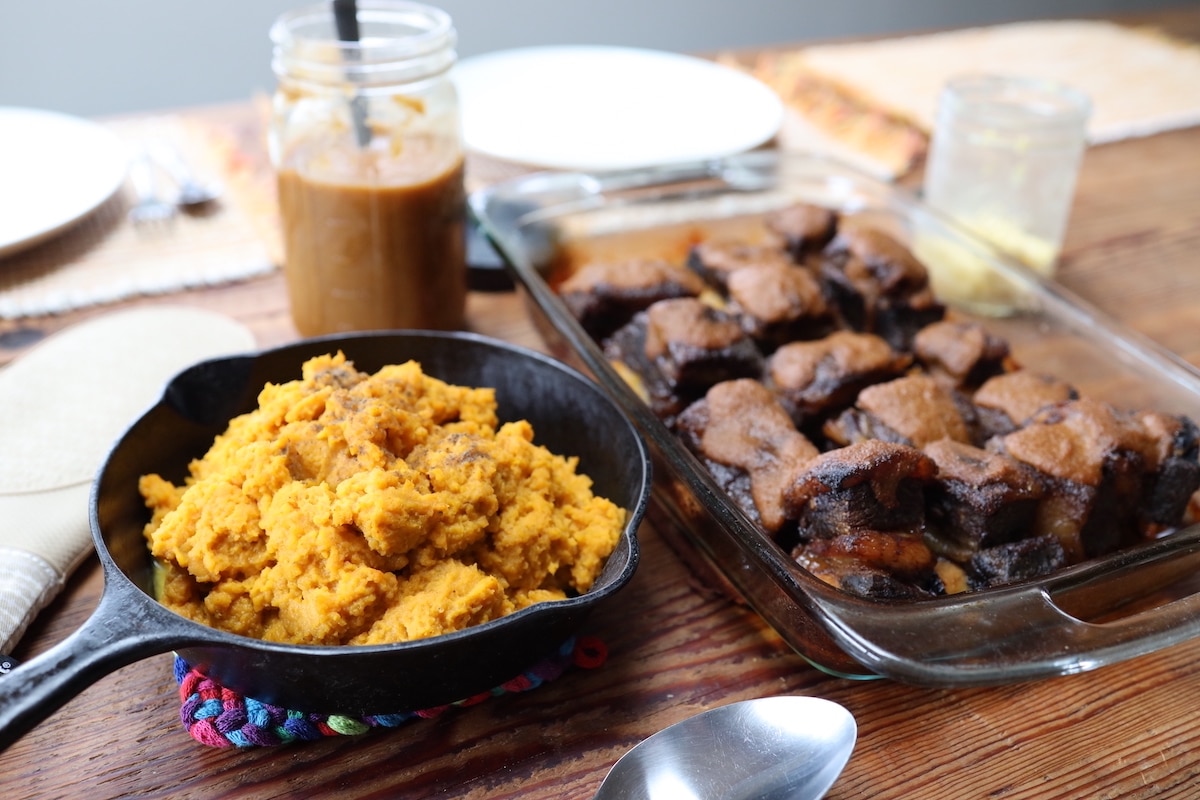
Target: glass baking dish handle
column 1085, row 617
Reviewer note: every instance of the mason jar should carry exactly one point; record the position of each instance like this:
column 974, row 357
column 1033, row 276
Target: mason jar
column 366, row 142
column 1003, row 161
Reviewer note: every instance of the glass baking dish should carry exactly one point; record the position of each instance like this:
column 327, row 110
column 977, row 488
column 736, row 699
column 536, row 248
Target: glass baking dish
column 1100, row 612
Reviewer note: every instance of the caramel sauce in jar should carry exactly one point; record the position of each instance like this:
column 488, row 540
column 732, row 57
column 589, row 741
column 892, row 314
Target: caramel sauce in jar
column 367, row 146
column 375, row 240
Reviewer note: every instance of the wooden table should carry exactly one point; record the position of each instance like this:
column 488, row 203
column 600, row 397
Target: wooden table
column 675, row 648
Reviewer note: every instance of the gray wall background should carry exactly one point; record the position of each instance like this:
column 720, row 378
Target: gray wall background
column 94, row 58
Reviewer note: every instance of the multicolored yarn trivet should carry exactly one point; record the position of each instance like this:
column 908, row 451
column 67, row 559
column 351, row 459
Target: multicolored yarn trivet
column 219, row 717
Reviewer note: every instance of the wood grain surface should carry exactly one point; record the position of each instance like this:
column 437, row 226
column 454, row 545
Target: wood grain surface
column 675, row 646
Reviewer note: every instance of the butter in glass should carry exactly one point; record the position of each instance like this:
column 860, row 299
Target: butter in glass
column 1003, row 161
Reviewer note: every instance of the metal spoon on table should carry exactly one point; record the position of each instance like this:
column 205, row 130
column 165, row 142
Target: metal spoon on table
column 771, row 748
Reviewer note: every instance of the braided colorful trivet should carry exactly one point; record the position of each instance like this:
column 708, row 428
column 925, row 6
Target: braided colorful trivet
column 219, row 717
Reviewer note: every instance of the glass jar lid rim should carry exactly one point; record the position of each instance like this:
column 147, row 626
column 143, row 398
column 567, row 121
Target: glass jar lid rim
column 1013, row 96
column 400, row 42
column 435, row 32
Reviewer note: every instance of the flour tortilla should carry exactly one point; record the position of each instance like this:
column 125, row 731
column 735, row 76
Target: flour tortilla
column 62, row 406
column 64, row 403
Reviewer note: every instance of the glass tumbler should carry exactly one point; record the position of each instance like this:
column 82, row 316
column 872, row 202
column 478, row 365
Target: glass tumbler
column 1003, row 161
column 367, row 146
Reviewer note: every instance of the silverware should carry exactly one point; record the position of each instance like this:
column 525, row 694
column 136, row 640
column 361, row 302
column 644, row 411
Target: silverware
column 193, row 191
column 149, row 209
column 770, row 748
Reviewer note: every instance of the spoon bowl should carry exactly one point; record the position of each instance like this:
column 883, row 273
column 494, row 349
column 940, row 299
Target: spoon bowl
column 771, row 748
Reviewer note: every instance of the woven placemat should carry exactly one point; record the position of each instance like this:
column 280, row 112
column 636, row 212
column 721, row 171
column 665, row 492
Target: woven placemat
column 219, row 717
column 105, row 259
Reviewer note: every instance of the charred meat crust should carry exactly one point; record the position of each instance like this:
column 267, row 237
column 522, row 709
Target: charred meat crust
column 895, row 452
column 603, row 296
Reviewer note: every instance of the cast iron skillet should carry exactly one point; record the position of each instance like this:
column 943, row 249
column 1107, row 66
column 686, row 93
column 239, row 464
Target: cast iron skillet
column 570, row 415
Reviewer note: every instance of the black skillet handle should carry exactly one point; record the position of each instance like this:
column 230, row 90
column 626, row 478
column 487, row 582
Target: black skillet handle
column 126, row 627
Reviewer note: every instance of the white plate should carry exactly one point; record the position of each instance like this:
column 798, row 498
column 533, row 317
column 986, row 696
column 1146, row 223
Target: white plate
column 54, row 169
column 598, row 108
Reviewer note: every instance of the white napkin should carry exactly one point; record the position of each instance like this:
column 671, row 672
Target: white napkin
column 62, row 406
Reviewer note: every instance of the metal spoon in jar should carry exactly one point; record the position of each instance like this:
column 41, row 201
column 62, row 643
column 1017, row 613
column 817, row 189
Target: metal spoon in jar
column 771, row 748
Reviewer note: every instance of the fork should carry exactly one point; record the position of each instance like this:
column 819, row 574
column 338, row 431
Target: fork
column 149, row 208
column 193, row 192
